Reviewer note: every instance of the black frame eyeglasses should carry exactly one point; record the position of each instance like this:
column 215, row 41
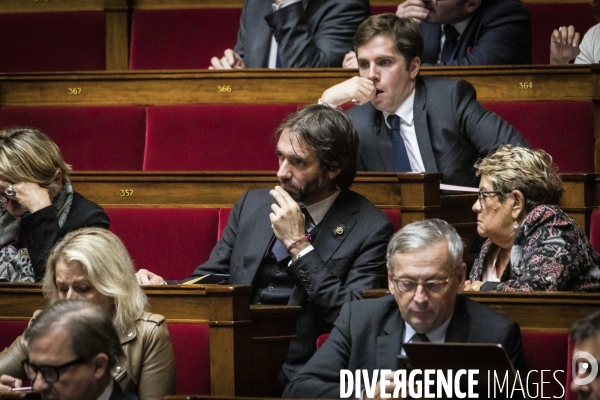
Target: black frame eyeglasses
column 431, row 286
column 484, row 194
column 50, row 373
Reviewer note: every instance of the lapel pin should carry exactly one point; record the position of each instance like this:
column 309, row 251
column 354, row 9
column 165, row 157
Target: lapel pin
column 339, row 230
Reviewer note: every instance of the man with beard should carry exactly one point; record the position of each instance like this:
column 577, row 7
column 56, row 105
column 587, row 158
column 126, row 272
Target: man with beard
column 309, row 241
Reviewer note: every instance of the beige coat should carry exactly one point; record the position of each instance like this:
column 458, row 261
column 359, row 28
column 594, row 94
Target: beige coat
column 149, row 367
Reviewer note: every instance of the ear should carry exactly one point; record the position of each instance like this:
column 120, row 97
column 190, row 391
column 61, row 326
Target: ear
column 58, row 177
column 461, row 274
column 472, row 5
column 333, row 174
column 518, row 204
column 414, row 68
column 100, row 365
column 391, row 284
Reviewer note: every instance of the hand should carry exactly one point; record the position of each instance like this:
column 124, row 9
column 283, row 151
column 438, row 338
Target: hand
column 414, row 9
column 287, row 220
column 145, row 277
column 564, row 45
column 357, row 90
column 29, row 195
column 389, row 388
column 8, row 382
column 231, row 60
column 350, row 60
column 472, row 286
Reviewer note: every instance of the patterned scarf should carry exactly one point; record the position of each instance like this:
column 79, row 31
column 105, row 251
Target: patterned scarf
column 15, row 264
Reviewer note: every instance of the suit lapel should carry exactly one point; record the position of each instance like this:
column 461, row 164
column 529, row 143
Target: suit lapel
column 340, row 215
column 389, row 343
column 422, row 128
column 384, row 139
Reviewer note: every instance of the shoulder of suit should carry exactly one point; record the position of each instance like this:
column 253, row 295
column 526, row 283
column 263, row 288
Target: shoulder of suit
column 155, row 319
column 480, row 313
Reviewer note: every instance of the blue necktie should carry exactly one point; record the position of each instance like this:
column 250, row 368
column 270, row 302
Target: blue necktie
column 450, row 42
column 401, row 162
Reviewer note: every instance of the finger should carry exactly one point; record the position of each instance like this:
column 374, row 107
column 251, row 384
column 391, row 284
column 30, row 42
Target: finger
column 576, row 38
column 286, row 199
column 157, row 280
column 230, row 57
column 215, row 63
column 556, row 36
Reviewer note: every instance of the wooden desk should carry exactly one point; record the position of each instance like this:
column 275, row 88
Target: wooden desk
column 248, row 343
column 545, row 311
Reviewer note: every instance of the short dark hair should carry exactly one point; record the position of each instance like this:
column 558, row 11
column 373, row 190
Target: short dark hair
column 586, row 328
column 331, row 134
column 405, row 34
column 89, row 327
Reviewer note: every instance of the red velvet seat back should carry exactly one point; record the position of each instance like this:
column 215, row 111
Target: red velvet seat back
column 547, row 351
column 10, row 330
column 191, row 345
column 181, row 39
column 545, row 17
column 213, row 137
column 383, row 9
column 170, row 242
column 395, row 215
column 564, row 129
column 52, row 41
column 90, row 138
column 223, row 218
column 595, row 230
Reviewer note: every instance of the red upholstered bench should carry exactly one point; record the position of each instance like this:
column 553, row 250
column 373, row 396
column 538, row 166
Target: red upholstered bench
column 52, row 41
column 182, row 38
column 213, row 137
column 565, row 129
column 383, row 9
column 170, row 242
column 547, row 351
column 545, row 17
column 395, row 215
column 90, row 138
column 595, row 230
column 191, row 345
column 11, row 329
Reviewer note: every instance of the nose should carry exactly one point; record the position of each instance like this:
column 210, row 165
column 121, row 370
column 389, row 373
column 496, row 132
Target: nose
column 420, row 294
column 476, row 206
column 284, row 171
column 39, row 384
column 373, row 73
column 71, row 294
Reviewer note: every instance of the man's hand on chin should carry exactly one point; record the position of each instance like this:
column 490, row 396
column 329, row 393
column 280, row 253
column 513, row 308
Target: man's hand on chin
column 287, row 221
column 357, row 90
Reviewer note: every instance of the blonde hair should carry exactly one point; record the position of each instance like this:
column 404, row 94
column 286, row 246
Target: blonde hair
column 107, row 265
column 28, row 155
column 529, row 171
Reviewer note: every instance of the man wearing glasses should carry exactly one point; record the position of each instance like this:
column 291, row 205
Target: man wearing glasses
column 72, row 348
column 425, row 276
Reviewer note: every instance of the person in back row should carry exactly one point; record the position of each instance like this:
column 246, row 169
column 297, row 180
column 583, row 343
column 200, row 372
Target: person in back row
column 408, row 123
column 565, row 44
column 310, row 241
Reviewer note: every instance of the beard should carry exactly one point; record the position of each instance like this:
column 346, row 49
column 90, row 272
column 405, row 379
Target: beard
column 311, row 189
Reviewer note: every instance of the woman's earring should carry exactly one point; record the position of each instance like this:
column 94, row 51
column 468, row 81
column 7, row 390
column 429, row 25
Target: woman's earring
column 515, row 225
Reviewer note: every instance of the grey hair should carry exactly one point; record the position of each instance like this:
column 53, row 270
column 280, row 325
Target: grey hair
column 420, row 235
column 90, row 329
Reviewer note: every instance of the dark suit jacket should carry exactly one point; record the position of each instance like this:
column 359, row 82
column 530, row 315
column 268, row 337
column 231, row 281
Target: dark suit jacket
column 337, row 271
column 40, row 230
column 319, row 36
column 118, row 394
column 368, row 335
column 499, row 33
column 453, row 131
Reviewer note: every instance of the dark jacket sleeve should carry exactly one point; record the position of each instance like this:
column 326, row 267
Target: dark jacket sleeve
column 301, row 45
column 501, row 36
column 40, row 230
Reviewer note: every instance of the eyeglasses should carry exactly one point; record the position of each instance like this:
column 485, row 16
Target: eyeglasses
column 431, row 286
column 484, row 194
column 49, row 372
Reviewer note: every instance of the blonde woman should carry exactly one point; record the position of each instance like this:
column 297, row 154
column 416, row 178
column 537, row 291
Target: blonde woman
column 532, row 244
column 92, row 264
column 38, row 203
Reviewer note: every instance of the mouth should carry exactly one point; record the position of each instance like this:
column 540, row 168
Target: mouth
column 378, row 92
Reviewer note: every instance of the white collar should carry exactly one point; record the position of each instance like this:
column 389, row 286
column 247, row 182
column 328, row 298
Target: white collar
column 318, row 210
column 460, row 26
column 405, row 111
column 437, row 335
